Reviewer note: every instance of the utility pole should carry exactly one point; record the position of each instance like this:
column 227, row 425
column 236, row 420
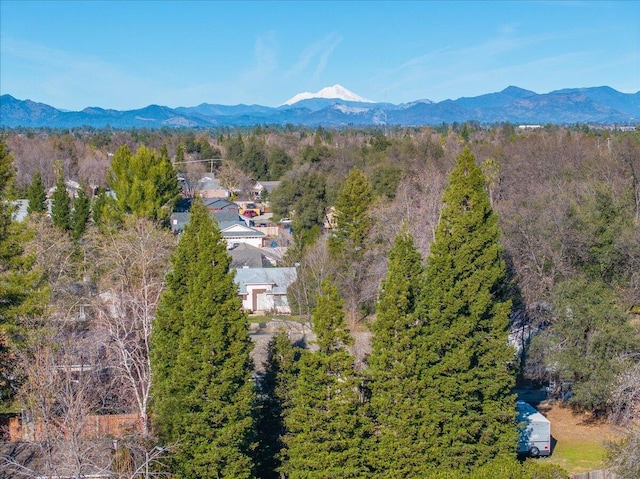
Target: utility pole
column 210, row 160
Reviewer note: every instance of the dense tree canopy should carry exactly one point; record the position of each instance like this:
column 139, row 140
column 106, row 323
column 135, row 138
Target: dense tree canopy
column 304, row 197
column 327, row 430
column 61, row 204
column 464, row 356
column 439, row 375
column 22, row 289
column 36, row 195
column 396, row 404
column 590, row 343
column 145, row 183
column 203, row 396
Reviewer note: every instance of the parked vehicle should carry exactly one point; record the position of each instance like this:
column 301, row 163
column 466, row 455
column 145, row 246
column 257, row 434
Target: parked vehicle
column 249, row 209
column 534, row 431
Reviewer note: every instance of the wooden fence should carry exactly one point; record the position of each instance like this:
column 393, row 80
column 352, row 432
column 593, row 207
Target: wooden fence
column 95, row 426
column 10, row 428
column 601, row 474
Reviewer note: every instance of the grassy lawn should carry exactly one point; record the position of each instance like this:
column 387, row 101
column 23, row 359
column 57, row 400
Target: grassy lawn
column 580, row 445
column 265, row 318
column 576, row 457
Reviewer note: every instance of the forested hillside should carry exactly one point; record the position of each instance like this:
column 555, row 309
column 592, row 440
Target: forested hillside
column 480, row 259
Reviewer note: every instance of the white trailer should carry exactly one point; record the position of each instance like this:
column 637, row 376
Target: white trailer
column 534, row 431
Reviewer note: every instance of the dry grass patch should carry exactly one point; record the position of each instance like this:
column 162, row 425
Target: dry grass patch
column 580, row 438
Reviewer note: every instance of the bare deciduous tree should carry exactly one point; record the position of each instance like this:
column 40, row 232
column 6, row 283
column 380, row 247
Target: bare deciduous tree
column 64, row 384
column 625, row 405
column 54, row 251
column 134, row 261
column 625, row 396
column 192, row 173
column 313, row 269
column 233, row 178
column 623, row 455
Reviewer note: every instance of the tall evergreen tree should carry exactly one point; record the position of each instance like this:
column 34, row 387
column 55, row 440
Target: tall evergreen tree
column 235, row 149
column 61, row 203
column 306, row 194
column 274, row 400
column 466, row 358
column 203, row 396
column 80, row 214
column 397, row 397
column 36, row 195
column 99, row 205
column 348, row 241
column 180, row 153
column 327, row 430
column 22, row 286
column 351, row 216
column 254, row 159
column 279, row 163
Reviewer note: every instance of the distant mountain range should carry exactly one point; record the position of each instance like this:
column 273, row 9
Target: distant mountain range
column 336, row 106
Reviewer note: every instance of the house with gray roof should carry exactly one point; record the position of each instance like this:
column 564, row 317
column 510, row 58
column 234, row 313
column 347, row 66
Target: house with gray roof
column 237, row 233
column 244, row 255
column 215, row 205
column 180, row 219
column 265, row 289
column 209, row 187
column 267, row 186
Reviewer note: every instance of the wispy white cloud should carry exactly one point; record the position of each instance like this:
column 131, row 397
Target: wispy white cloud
column 317, row 55
column 326, row 52
column 508, row 28
column 478, row 65
column 63, row 77
column 265, row 58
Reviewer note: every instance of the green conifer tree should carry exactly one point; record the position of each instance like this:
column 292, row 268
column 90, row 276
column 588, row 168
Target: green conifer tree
column 327, row 430
column 465, row 357
column 351, row 216
column 61, row 203
column 23, row 290
column 235, row 149
column 348, row 241
column 99, row 205
column 180, row 153
column 203, row 395
column 36, row 195
column 81, row 214
column 397, row 397
column 274, row 400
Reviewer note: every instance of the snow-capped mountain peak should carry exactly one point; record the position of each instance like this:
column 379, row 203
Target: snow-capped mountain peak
column 335, row 91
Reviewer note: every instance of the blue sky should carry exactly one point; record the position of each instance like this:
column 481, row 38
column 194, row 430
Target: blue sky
column 129, row 54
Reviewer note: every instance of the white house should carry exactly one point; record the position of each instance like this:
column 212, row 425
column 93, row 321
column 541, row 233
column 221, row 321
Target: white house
column 236, row 233
column 267, row 186
column 265, row 289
